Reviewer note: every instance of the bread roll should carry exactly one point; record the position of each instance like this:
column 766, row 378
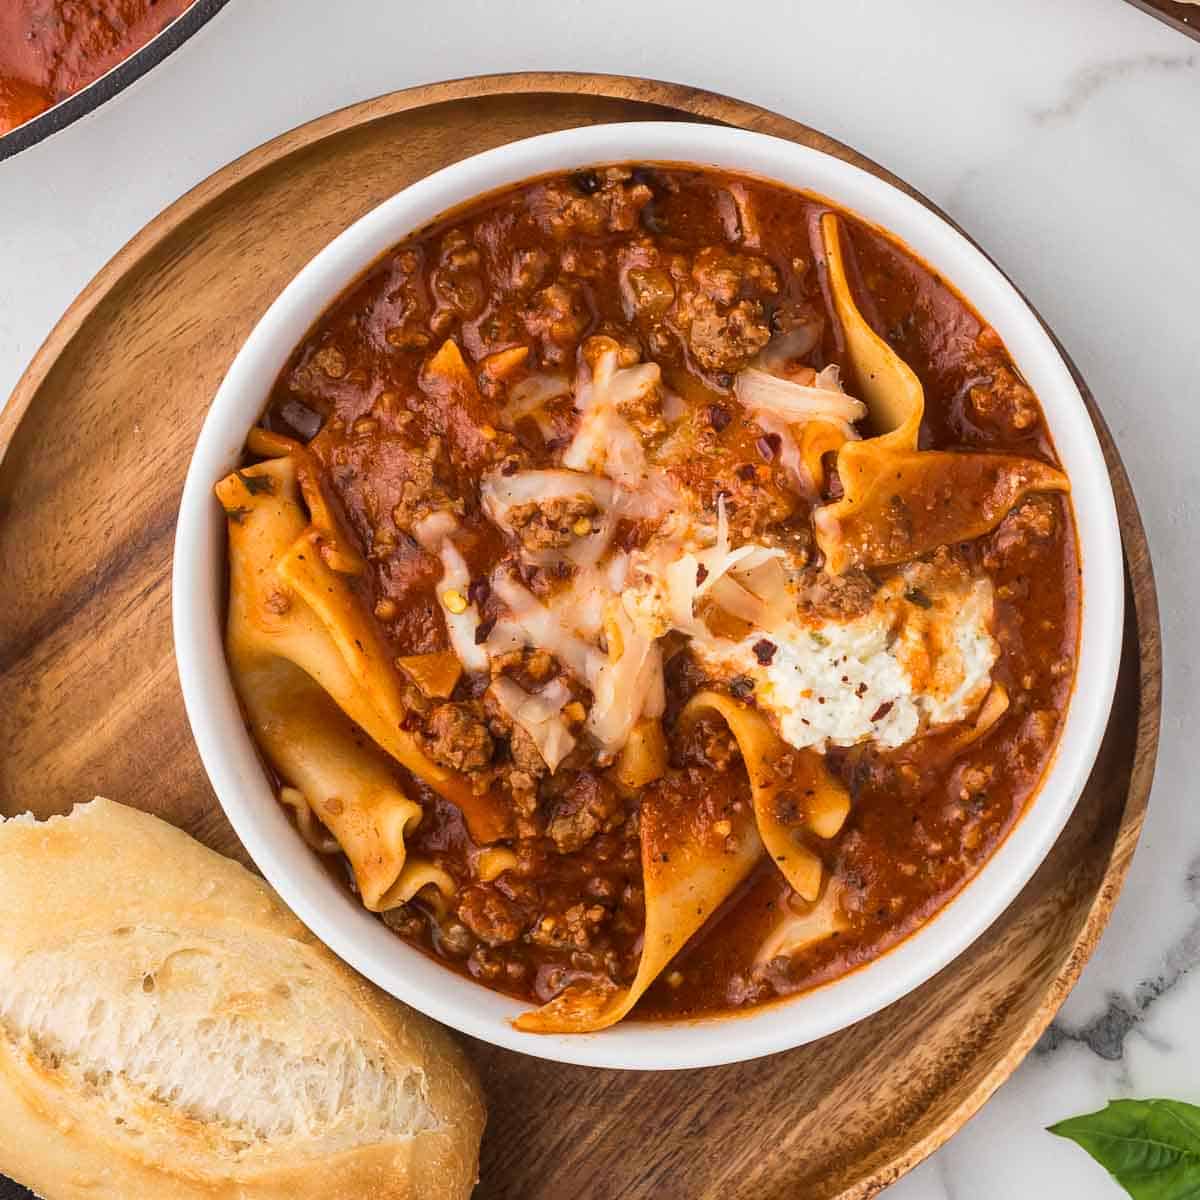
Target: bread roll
column 169, row 1030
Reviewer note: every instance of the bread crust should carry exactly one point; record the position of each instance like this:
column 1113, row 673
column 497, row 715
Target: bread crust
column 120, row 938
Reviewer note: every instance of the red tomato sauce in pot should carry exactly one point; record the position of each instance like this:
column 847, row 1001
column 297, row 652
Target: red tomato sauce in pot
column 49, row 49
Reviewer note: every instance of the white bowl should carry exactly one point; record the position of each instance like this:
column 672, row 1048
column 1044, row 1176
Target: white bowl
column 329, row 910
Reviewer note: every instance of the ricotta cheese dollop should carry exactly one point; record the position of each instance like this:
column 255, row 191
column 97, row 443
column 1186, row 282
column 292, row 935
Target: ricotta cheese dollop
column 921, row 657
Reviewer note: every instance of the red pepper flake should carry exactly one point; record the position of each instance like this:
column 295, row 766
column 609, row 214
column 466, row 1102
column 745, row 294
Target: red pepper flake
column 701, row 573
column 719, row 417
column 769, row 446
column 764, row 651
column 833, row 482
column 861, row 690
column 882, row 711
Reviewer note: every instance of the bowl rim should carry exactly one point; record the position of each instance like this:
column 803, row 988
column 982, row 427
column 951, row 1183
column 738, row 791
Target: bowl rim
column 228, row 753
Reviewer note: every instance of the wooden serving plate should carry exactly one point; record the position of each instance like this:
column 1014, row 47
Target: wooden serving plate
column 93, row 449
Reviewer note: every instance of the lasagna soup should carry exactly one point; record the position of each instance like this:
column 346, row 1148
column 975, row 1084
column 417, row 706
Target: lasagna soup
column 655, row 589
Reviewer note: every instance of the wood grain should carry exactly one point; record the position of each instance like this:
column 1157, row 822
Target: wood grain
column 93, row 449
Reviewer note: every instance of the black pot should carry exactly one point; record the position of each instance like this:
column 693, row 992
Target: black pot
column 108, row 85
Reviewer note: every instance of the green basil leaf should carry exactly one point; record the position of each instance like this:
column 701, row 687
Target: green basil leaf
column 1151, row 1147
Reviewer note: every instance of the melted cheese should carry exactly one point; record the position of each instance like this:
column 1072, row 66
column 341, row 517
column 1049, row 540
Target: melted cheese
column 887, row 675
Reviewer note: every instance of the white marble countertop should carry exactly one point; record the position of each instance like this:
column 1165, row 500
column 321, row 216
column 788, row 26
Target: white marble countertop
column 1063, row 136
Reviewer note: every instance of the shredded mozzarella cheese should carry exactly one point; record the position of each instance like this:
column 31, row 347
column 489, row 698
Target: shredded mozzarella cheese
column 884, row 675
column 540, row 715
column 461, row 626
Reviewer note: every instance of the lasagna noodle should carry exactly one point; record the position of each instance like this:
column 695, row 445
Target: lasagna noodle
column 436, row 674
column 899, row 502
column 689, row 869
column 305, row 704
column 297, row 607
column 900, row 505
column 312, row 831
column 944, row 746
column 348, row 785
column 322, row 514
column 643, row 758
column 422, row 875
column 493, row 861
column 307, row 737
column 373, row 698
column 792, row 791
column 892, row 393
column 816, row 439
column 796, row 931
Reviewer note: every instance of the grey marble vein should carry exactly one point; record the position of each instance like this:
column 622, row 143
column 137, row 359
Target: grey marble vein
column 1105, row 1034
column 1088, row 81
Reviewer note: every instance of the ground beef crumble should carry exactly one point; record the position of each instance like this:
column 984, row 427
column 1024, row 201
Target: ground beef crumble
column 590, row 203
column 1023, row 534
column 589, row 806
column 552, row 524
column 458, row 740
